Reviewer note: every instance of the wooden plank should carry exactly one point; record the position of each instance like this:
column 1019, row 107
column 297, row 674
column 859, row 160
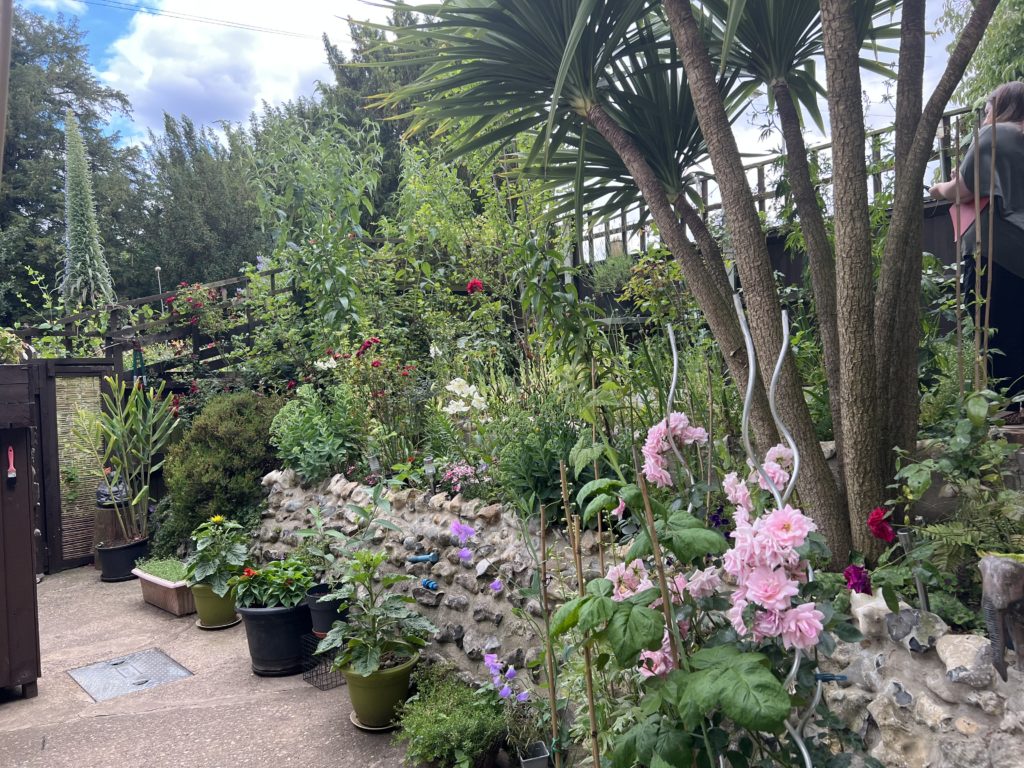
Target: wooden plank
column 17, row 415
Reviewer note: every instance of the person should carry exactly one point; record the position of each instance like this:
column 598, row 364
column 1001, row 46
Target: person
column 1003, row 133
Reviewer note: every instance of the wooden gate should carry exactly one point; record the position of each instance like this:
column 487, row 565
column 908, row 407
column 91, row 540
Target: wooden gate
column 53, row 391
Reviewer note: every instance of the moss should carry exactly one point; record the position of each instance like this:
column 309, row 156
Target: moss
column 169, row 569
column 217, row 467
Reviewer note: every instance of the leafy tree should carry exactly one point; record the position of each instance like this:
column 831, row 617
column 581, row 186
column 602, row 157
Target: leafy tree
column 201, row 222
column 997, row 59
column 86, row 278
column 569, row 68
column 50, row 74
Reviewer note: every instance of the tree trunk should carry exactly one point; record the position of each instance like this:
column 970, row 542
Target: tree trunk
column 819, row 253
column 818, row 491
column 718, row 309
column 897, row 304
column 858, row 393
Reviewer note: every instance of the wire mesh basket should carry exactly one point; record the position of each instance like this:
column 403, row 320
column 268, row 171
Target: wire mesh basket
column 317, row 668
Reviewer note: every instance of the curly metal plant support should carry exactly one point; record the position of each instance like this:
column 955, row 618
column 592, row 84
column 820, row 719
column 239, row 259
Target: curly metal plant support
column 781, row 497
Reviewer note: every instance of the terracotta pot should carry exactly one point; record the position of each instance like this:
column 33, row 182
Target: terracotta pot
column 171, row 596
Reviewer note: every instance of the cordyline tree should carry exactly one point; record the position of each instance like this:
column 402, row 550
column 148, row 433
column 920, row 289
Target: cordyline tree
column 636, row 89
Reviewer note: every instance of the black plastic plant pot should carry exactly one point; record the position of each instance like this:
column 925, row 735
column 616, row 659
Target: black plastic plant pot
column 275, row 638
column 324, row 613
column 117, row 562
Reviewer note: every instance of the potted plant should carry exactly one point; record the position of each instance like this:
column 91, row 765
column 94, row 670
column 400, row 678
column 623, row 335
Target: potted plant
column 378, row 645
column 272, row 603
column 164, row 585
column 125, row 440
column 220, row 553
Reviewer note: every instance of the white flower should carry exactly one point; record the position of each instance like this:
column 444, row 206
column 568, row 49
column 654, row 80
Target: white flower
column 459, row 387
column 479, row 403
column 435, row 351
column 326, row 364
column 455, row 406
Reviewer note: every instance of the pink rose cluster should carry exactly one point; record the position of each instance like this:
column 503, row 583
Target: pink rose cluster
column 768, row 571
column 629, row 579
column 778, row 463
column 657, row 448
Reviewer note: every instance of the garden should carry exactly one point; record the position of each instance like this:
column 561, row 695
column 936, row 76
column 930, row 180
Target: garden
column 529, row 495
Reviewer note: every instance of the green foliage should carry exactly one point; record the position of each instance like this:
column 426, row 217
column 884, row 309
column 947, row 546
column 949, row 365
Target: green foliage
column 10, row 347
column 125, row 441
column 997, row 59
column 278, row 584
column 87, row 279
column 612, row 273
column 217, row 467
column 319, row 434
column 449, row 723
column 381, row 630
column 220, row 554
column 168, row 569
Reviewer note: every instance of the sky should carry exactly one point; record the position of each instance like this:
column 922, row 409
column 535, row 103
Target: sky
column 193, row 58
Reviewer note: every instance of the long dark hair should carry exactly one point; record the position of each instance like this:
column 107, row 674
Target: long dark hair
column 1006, row 103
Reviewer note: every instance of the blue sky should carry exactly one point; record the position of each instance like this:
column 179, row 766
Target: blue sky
column 209, row 71
column 213, row 72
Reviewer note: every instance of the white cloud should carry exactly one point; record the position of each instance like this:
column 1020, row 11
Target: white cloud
column 214, row 72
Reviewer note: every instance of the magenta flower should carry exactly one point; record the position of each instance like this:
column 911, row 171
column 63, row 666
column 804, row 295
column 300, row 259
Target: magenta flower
column 858, row 579
column 496, row 586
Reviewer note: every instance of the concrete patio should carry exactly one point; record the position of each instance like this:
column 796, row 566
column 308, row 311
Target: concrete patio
column 223, row 715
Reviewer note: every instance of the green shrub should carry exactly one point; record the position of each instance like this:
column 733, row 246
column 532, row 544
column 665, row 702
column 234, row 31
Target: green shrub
column 448, row 723
column 216, row 469
column 319, row 434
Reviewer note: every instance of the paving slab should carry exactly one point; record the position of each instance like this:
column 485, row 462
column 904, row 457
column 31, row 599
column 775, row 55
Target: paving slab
column 222, row 715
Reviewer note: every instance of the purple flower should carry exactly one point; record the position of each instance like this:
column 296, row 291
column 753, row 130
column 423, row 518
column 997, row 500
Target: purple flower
column 491, row 661
column 496, row 586
column 511, row 673
column 462, row 532
column 465, row 554
column 524, row 696
column 858, row 579
column 505, row 692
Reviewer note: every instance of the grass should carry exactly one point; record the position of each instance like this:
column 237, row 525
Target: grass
column 166, row 568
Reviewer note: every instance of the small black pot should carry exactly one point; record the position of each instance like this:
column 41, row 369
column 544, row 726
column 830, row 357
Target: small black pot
column 117, row 562
column 325, row 613
column 275, row 638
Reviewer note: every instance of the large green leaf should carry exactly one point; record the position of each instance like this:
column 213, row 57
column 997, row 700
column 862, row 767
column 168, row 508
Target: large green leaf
column 634, row 628
column 684, row 536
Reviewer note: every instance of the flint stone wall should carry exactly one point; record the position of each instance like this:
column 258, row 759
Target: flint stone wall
column 472, row 619
column 944, row 707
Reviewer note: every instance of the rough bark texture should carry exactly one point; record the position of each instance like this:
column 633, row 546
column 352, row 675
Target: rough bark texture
column 718, row 309
column 858, row 392
column 897, row 327
column 709, row 250
column 818, row 491
column 819, row 252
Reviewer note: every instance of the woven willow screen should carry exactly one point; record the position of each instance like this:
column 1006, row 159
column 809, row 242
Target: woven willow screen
column 77, row 484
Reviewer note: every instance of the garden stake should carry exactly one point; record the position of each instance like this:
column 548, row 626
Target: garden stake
column 549, row 655
column 659, row 564
column 574, row 541
column 597, row 469
column 959, row 288
column 991, row 246
column 977, row 262
column 711, row 438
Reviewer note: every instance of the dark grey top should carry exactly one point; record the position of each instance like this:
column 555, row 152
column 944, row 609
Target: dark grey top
column 1008, row 186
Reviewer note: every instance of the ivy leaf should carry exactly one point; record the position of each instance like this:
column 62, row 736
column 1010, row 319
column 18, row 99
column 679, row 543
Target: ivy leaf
column 634, row 628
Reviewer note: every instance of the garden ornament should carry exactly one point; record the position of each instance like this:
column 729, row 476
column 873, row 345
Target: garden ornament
column 429, row 584
column 431, row 558
column 1002, row 602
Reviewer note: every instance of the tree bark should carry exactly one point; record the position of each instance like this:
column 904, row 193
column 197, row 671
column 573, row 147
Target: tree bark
column 819, row 253
column 718, row 309
column 858, row 393
column 897, row 312
column 818, row 491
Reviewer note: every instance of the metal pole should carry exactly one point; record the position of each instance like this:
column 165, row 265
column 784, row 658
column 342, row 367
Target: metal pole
column 159, row 288
column 6, row 25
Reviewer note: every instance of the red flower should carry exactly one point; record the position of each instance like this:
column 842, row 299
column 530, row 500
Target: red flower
column 248, row 573
column 330, row 351
column 474, row 285
column 405, row 373
column 376, row 363
column 879, row 526
column 346, row 356
column 290, row 384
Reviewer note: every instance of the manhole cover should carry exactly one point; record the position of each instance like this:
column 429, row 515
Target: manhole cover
column 125, row 674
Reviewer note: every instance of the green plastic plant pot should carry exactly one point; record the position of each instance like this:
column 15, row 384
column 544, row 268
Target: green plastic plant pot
column 214, row 611
column 376, row 697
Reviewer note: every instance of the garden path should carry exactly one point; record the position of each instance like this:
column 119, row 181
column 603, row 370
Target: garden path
column 222, row 715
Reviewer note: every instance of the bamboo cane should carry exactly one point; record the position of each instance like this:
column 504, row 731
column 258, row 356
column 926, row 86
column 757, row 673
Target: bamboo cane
column 549, row 655
column 977, row 264
column 597, row 469
column 574, row 527
column 989, row 254
column 959, row 296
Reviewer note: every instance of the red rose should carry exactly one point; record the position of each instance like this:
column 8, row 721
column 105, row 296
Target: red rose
column 291, row 384
column 879, row 526
column 474, row 285
column 376, row 363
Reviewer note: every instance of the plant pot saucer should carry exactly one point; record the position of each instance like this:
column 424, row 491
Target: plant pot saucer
column 116, row 579
column 200, row 624
column 369, row 729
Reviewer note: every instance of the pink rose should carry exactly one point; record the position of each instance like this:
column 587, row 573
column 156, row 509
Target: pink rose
column 780, row 455
column 737, row 492
column 788, row 526
column 767, row 624
column 771, row 588
column 704, row 583
column 801, row 626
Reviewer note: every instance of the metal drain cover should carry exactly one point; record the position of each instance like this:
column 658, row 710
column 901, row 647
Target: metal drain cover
column 126, row 674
